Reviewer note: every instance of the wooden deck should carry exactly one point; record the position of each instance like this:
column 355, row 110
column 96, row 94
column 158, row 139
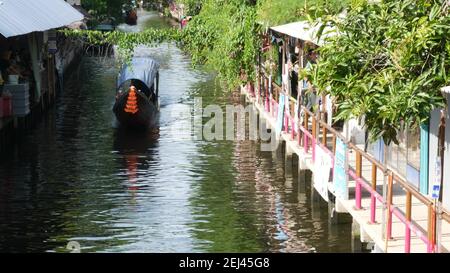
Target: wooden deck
column 370, row 232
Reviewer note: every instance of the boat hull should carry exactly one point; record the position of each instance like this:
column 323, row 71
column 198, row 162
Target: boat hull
column 145, row 117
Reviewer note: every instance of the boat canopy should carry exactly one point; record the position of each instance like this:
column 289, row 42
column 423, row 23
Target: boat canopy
column 143, row 69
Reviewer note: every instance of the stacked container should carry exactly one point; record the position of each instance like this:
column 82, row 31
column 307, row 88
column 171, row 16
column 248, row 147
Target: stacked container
column 5, row 104
column 20, row 98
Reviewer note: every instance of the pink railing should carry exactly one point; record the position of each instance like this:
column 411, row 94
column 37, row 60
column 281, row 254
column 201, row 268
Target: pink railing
column 409, row 226
column 308, row 138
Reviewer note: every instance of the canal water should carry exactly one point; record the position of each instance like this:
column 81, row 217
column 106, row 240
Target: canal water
column 75, row 177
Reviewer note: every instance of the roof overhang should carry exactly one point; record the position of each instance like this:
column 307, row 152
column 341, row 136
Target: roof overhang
column 445, row 90
column 20, row 17
column 307, row 32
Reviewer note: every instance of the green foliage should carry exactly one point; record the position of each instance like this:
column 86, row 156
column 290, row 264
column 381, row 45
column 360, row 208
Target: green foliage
column 276, row 12
column 224, row 36
column 125, row 41
column 387, row 64
column 192, row 7
column 103, row 10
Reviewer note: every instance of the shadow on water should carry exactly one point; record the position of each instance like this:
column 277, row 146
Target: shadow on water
column 135, row 141
column 135, row 152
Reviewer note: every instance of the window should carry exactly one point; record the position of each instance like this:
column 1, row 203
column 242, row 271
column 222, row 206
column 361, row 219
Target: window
column 396, row 157
column 405, row 157
column 413, row 147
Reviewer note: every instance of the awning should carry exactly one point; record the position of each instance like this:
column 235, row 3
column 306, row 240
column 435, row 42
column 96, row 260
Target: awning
column 304, row 31
column 20, row 17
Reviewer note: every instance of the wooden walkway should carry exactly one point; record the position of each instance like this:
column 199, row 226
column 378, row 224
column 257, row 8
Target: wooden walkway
column 416, row 222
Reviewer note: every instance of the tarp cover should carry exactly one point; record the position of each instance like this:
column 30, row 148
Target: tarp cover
column 140, row 68
column 19, row 17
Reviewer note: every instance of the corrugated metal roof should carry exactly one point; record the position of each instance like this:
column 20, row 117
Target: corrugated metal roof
column 19, row 17
column 304, row 31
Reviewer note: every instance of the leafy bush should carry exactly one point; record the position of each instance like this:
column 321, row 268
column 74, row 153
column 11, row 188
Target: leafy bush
column 224, row 36
column 276, row 12
column 387, row 64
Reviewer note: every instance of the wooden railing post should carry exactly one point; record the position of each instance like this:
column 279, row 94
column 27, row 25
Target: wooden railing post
column 306, row 121
column 358, row 163
column 373, row 199
column 408, row 221
column 305, row 137
column 384, row 210
column 434, row 219
column 389, row 207
column 266, row 96
column 314, row 129
column 358, row 193
column 440, row 216
column 431, row 228
column 374, row 176
column 314, row 137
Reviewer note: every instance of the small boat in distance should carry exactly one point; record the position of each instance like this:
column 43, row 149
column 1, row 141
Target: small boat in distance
column 137, row 103
column 131, row 17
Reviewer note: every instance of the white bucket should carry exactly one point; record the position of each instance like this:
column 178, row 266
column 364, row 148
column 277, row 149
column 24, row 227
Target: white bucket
column 13, row 79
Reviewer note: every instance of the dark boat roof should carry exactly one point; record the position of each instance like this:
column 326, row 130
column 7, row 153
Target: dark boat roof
column 140, row 68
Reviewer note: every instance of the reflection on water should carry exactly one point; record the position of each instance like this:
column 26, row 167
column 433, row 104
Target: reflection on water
column 77, row 178
column 146, row 20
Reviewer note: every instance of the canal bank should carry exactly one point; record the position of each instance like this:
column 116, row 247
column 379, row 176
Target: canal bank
column 34, row 60
column 385, row 188
column 165, row 192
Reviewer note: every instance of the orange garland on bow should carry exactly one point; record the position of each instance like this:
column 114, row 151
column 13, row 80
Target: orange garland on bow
column 131, row 106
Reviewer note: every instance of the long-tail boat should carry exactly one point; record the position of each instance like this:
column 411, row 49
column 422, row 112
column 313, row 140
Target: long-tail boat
column 137, row 103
